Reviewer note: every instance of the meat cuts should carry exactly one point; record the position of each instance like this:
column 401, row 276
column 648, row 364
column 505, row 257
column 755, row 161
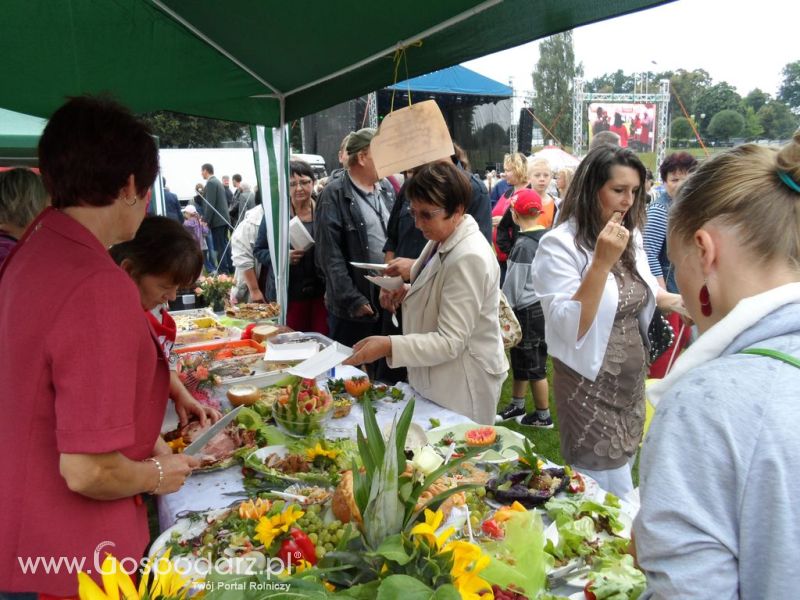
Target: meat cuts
column 219, row 451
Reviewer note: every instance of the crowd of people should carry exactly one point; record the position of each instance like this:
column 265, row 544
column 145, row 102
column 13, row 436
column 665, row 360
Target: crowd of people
column 584, row 258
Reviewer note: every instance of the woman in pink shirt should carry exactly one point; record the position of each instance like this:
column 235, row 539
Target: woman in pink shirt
column 84, row 379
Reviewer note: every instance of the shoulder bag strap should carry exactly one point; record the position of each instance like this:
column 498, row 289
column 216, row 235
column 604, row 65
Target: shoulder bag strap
column 776, row 354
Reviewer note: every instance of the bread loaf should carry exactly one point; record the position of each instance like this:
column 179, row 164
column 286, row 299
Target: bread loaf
column 261, row 333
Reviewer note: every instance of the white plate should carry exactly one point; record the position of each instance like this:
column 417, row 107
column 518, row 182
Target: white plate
column 264, row 452
column 186, row 528
column 369, row 266
column 509, row 437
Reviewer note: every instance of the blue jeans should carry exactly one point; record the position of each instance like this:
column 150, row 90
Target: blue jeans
column 220, row 235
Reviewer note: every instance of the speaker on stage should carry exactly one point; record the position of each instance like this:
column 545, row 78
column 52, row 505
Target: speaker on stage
column 525, row 132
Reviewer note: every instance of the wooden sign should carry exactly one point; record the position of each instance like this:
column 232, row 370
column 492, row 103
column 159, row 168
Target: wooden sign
column 410, row 137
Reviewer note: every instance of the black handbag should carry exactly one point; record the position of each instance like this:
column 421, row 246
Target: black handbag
column 660, row 334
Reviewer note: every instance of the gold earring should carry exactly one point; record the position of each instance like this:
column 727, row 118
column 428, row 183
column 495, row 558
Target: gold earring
column 135, row 200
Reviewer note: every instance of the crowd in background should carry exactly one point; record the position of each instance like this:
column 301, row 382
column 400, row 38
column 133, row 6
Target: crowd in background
column 583, row 258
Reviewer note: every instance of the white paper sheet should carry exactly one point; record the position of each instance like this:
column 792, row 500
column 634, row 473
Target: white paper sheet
column 299, row 238
column 388, row 283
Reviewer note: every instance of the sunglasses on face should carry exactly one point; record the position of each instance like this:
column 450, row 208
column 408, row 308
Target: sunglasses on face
column 424, row 215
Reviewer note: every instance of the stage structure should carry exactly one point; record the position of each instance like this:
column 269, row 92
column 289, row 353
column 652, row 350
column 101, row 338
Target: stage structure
column 581, row 99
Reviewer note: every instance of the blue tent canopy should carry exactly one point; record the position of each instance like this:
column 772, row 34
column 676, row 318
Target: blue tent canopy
column 455, row 80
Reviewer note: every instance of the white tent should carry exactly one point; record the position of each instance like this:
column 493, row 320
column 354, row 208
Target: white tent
column 557, row 158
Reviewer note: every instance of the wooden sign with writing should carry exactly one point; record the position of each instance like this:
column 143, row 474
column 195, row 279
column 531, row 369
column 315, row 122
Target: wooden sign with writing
column 410, row 137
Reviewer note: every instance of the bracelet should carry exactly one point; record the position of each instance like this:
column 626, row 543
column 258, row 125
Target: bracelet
column 157, row 463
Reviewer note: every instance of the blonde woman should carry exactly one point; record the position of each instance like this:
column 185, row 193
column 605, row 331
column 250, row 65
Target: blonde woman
column 516, row 172
column 563, row 179
column 724, row 522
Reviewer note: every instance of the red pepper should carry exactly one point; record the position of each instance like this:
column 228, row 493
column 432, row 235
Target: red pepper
column 493, row 529
column 247, row 334
column 298, row 546
column 587, row 591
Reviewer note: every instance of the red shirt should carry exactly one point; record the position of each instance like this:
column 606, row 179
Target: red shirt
column 80, row 372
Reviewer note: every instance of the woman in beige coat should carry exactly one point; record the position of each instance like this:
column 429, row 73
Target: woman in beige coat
column 451, row 344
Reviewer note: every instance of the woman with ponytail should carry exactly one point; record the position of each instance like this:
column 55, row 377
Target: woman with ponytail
column 719, row 465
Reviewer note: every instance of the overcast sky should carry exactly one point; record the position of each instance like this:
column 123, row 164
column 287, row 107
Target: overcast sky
column 742, row 42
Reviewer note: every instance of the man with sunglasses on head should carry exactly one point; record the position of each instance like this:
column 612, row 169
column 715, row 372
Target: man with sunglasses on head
column 352, row 213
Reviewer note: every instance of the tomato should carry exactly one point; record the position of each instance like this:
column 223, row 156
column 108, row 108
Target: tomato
column 587, row 592
column 576, row 483
column 298, row 546
column 357, row 386
column 247, row 334
column 493, row 529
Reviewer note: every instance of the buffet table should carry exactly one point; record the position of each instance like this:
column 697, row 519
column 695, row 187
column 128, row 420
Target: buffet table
column 217, row 489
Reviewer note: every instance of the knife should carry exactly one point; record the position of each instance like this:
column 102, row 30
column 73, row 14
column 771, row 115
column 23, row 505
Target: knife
column 205, row 437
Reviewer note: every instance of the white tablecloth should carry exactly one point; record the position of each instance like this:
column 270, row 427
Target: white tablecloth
column 206, row 491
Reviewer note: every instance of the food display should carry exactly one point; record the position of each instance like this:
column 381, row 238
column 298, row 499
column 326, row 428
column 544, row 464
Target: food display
column 529, row 488
column 397, row 499
column 361, row 388
column 253, row 311
column 302, row 406
column 497, row 442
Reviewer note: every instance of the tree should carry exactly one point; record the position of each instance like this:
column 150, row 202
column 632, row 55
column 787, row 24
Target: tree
column 790, row 88
column 777, row 120
column 756, row 99
column 752, row 125
column 688, row 86
column 552, row 84
column 616, row 83
column 726, row 124
column 681, row 129
column 714, row 99
column 176, row 130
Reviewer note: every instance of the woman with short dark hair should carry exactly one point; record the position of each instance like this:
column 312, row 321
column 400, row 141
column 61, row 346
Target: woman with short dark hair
column 674, row 170
column 306, row 287
column 84, row 380
column 451, row 342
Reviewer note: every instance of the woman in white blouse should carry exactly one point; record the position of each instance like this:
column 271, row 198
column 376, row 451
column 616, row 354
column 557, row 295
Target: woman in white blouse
column 598, row 297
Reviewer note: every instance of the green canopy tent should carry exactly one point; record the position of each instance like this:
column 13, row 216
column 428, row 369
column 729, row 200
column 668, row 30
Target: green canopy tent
column 257, row 62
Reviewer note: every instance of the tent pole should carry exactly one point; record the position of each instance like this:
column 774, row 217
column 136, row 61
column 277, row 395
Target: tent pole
column 282, row 275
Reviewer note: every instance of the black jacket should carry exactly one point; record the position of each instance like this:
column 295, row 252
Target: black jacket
column 341, row 237
column 305, row 282
column 406, row 241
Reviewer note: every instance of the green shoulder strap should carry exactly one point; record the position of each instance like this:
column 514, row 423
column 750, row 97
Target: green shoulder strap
column 777, row 355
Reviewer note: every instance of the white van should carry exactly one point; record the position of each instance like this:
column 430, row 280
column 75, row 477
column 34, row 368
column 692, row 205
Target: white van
column 315, row 160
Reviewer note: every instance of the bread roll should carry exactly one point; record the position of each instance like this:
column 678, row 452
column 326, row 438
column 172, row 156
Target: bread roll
column 243, row 394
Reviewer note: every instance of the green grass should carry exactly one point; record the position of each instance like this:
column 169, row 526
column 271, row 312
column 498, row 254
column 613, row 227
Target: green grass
column 649, row 158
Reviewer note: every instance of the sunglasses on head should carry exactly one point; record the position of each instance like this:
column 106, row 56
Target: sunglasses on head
column 425, row 215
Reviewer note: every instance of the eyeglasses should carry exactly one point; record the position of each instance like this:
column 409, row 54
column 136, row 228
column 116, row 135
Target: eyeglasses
column 425, row 215
column 294, row 184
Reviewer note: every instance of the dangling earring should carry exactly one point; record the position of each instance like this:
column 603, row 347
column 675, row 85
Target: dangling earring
column 135, row 200
column 705, row 301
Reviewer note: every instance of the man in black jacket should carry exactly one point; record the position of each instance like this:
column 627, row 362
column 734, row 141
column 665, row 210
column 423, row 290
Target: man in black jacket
column 351, row 218
column 218, row 218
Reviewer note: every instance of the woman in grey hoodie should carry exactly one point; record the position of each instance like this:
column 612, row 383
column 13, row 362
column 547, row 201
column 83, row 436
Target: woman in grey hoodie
column 720, row 464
